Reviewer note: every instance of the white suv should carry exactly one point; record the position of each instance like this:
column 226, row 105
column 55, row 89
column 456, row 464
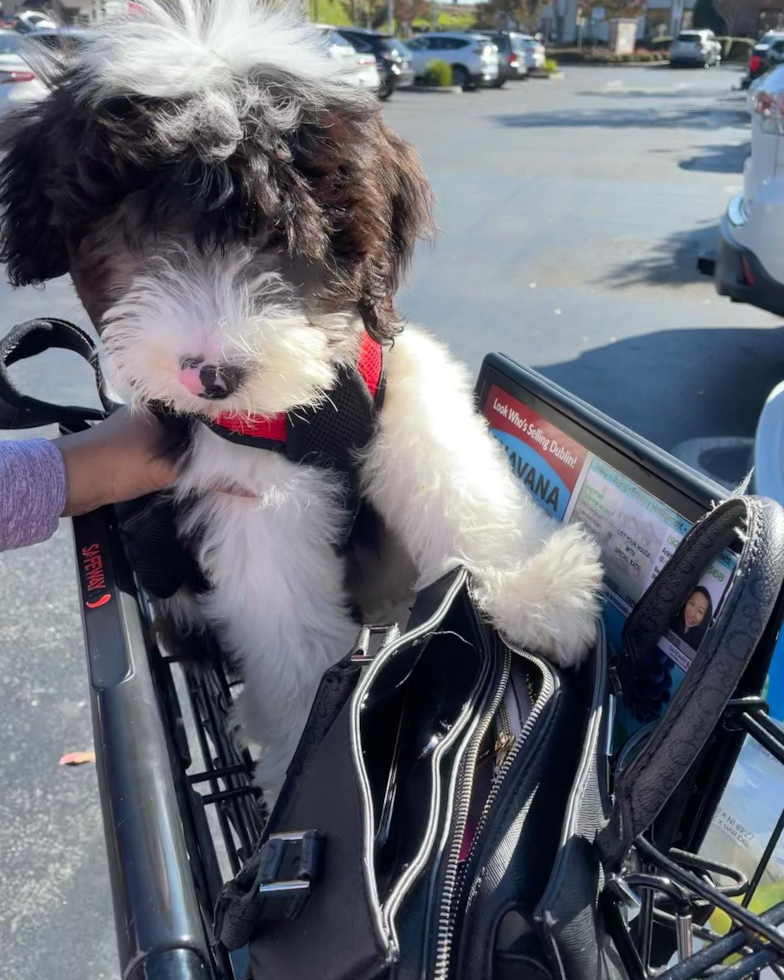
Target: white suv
column 695, row 48
column 749, row 267
column 473, row 57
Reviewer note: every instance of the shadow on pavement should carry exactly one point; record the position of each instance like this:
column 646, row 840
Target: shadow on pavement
column 680, row 384
column 687, row 117
column 683, row 91
column 671, row 262
column 719, row 159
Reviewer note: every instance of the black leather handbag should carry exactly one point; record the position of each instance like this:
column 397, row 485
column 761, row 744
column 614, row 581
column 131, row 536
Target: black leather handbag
column 422, row 814
column 450, row 812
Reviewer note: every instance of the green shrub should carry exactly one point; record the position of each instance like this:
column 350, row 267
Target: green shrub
column 659, row 42
column 438, row 74
column 736, row 48
column 602, row 56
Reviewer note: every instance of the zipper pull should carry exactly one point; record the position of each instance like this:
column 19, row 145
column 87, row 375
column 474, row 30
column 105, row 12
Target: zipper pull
column 504, row 741
column 615, row 680
column 503, row 744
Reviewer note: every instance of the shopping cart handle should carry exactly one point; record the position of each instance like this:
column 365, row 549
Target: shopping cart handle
column 21, row 411
column 160, row 929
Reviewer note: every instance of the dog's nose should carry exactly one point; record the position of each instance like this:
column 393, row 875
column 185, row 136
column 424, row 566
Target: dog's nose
column 219, row 380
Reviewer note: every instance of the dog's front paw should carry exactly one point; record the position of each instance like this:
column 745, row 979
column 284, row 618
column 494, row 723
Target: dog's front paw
column 549, row 603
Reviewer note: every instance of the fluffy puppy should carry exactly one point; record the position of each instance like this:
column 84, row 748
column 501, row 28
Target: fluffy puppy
column 236, row 218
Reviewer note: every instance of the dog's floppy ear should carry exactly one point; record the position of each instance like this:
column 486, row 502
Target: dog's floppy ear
column 406, row 206
column 30, row 245
column 375, row 203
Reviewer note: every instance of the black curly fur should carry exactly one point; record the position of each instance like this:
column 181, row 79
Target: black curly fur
column 339, row 190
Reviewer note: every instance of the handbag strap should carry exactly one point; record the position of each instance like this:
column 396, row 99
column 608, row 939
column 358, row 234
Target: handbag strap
column 757, row 526
column 25, row 340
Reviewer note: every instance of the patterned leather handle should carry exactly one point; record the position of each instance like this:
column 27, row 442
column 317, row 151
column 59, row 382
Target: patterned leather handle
column 757, row 525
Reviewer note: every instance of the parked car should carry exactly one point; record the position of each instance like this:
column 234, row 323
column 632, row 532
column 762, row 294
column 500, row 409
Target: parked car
column 511, row 61
column 749, row 265
column 473, row 57
column 59, row 39
column 533, row 49
column 695, row 49
column 766, row 54
column 361, row 71
column 18, row 82
column 25, row 21
column 751, row 89
column 393, row 59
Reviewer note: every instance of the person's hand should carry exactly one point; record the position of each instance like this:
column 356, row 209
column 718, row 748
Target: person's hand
column 116, row 460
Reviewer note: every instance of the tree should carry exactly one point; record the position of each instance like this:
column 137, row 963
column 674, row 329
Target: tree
column 407, row 11
column 375, row 13
column 621, row 8
column 532, row 15
column 513, row 14
column 364, row 13
column 733, row 13
column 705, row 17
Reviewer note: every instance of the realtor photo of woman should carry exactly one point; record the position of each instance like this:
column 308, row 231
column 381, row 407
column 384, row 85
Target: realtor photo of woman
column 692, row 621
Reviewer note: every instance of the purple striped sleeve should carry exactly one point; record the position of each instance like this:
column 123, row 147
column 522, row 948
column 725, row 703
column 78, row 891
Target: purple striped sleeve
column 32, row 491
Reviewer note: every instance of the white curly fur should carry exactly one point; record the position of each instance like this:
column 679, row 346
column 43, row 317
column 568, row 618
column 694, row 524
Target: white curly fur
column 226, row 309
column 189, row 49
column 444, row 487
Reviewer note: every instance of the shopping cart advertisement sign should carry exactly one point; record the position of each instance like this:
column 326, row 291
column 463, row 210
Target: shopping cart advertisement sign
column 545, row 460
column 638, row 534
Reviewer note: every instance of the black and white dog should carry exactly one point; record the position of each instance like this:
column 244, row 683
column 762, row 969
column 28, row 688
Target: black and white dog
column 236, row 219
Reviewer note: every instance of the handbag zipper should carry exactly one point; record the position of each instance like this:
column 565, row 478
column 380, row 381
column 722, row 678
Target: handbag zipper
column 385, row 935
column 446, row 918
column 505, row 739
column 463, row 806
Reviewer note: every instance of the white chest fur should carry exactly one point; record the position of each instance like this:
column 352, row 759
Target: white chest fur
column 277, row 598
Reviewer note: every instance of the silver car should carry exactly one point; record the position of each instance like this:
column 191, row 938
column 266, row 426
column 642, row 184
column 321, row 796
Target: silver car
column 532, row 49
column 18, row 82
column 473, row 57
column 360, row 68
column 695, row 49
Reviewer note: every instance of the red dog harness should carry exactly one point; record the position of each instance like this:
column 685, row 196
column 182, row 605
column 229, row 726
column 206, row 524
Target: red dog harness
column 331, row 435
column 328, row 434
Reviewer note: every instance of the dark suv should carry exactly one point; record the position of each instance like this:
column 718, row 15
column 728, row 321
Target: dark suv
column 767, row 53
column 511, row 56
column 393, row 58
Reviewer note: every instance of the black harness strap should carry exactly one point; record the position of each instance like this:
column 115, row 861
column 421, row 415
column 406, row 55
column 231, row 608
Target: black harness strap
column 330, row 436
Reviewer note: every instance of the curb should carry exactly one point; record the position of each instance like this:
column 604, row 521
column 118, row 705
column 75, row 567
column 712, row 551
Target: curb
column 618, row 64
column 438, row 89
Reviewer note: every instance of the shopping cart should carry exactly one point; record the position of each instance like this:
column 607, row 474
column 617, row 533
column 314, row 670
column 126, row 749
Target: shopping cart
column 181, row 813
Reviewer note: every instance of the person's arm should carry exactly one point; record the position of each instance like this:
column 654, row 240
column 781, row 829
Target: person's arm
column 40, row 481
column 32, row 492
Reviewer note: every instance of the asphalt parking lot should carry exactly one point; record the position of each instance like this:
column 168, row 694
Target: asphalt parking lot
column 571, row 215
